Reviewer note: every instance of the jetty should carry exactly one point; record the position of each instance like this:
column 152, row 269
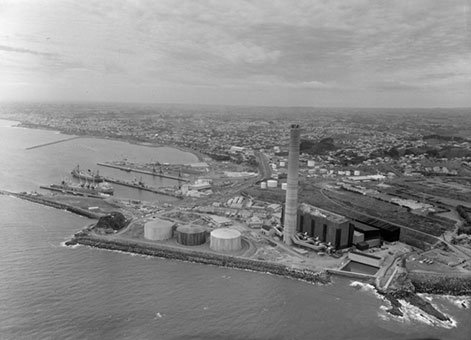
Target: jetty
column 51, row 143
column 146, row 172
column 71, row 192
column 142, row 186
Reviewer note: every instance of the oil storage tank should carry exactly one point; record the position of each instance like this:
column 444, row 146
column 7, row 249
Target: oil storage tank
column 190, row 235
column 225, row 240
column 158, row 230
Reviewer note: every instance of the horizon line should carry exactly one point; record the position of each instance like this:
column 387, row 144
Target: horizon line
column 223, row 105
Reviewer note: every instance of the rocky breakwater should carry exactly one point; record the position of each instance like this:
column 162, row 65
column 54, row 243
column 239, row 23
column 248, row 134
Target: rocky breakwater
column 436, row 283
column 89, row 238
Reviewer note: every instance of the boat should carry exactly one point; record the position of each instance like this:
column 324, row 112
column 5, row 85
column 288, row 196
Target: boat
column 100, row 189
column 87, row 175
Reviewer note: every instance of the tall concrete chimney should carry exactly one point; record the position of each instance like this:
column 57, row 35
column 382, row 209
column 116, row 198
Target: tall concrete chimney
column 291, row 202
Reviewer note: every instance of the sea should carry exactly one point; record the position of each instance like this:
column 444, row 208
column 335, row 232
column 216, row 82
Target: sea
column 51, row 291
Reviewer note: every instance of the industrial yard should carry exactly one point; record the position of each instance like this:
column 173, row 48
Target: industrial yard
column 281, row 209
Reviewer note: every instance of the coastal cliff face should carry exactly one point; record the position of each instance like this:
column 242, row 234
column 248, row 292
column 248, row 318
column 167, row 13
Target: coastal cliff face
column 203, row 257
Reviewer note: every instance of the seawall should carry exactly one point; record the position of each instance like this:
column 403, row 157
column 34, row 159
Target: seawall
column 435, row 283
column 38, row 199
column 204, row 257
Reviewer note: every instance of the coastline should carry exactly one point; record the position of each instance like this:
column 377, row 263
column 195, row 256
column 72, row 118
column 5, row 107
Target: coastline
column 189, row 255
column 200, row 157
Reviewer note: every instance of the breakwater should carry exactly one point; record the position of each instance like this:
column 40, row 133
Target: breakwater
column 51, row 143
column 202, row 257
column 432, row 283
column 40, row 200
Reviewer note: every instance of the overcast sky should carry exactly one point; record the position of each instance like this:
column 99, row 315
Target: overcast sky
column 384, row 53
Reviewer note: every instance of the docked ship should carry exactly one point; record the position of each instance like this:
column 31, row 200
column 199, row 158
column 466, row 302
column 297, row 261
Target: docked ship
column 102, row 189
column 88, row 175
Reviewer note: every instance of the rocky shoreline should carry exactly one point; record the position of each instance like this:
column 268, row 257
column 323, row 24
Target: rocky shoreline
column 407, row 285
column 203, row 257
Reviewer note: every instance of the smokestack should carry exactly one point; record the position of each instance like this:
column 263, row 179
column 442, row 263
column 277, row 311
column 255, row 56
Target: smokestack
column 291, row 202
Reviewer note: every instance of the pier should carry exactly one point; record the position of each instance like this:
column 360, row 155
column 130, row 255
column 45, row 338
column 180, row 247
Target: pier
column 71, row 192
column 51, row 143
column 141, row 187
column 152, row 173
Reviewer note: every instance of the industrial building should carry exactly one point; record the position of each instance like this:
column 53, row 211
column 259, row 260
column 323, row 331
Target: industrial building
column 325, row 225
column 364, row 233
column 387, row 232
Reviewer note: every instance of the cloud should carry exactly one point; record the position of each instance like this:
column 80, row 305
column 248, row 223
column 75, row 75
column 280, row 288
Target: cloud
column 23, row 50
column 362, row 46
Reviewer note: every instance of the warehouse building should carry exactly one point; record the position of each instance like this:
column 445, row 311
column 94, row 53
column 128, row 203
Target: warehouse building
column 387, row 231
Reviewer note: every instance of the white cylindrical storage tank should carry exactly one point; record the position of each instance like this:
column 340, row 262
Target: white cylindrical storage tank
column 284, row 186
column 310, row 163
column 263, row 185
column 272, row 183
column 158, row 230
column 225, row 240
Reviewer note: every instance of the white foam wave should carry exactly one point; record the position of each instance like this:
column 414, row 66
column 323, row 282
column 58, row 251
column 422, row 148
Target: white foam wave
column 62, row 244
column 366, row 287
column 462, row 302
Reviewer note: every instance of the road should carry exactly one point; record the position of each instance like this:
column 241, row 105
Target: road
column 263, row 165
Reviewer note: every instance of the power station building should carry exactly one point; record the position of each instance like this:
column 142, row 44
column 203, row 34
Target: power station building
column 325, row 225
column 328, row 227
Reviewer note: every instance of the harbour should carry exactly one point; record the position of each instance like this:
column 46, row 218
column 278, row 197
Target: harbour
column 85, row 277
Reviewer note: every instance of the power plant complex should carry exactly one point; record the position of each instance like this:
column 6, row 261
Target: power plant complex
column 301, row 222
column 326, row 226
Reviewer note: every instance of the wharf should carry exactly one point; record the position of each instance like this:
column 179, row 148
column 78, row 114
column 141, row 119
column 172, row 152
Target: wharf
column 51, row 143
column 40, row 199
column 128, row 169
column 72, row 192
column 141, row 187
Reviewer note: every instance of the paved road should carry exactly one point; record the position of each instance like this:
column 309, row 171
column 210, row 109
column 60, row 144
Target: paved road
column 263, row 165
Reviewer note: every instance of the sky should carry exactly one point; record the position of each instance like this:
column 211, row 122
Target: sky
column 355, row 53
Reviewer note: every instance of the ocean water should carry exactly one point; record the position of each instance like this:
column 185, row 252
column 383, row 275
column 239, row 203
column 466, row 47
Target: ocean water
column 49, row 291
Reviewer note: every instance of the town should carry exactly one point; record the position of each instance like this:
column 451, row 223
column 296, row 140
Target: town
column 374, row 200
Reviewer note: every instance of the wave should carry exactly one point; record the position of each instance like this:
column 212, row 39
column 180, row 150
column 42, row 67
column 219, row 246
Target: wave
column 462, row 302
column 413, row 313
column 410, row 312
column 62, row 244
